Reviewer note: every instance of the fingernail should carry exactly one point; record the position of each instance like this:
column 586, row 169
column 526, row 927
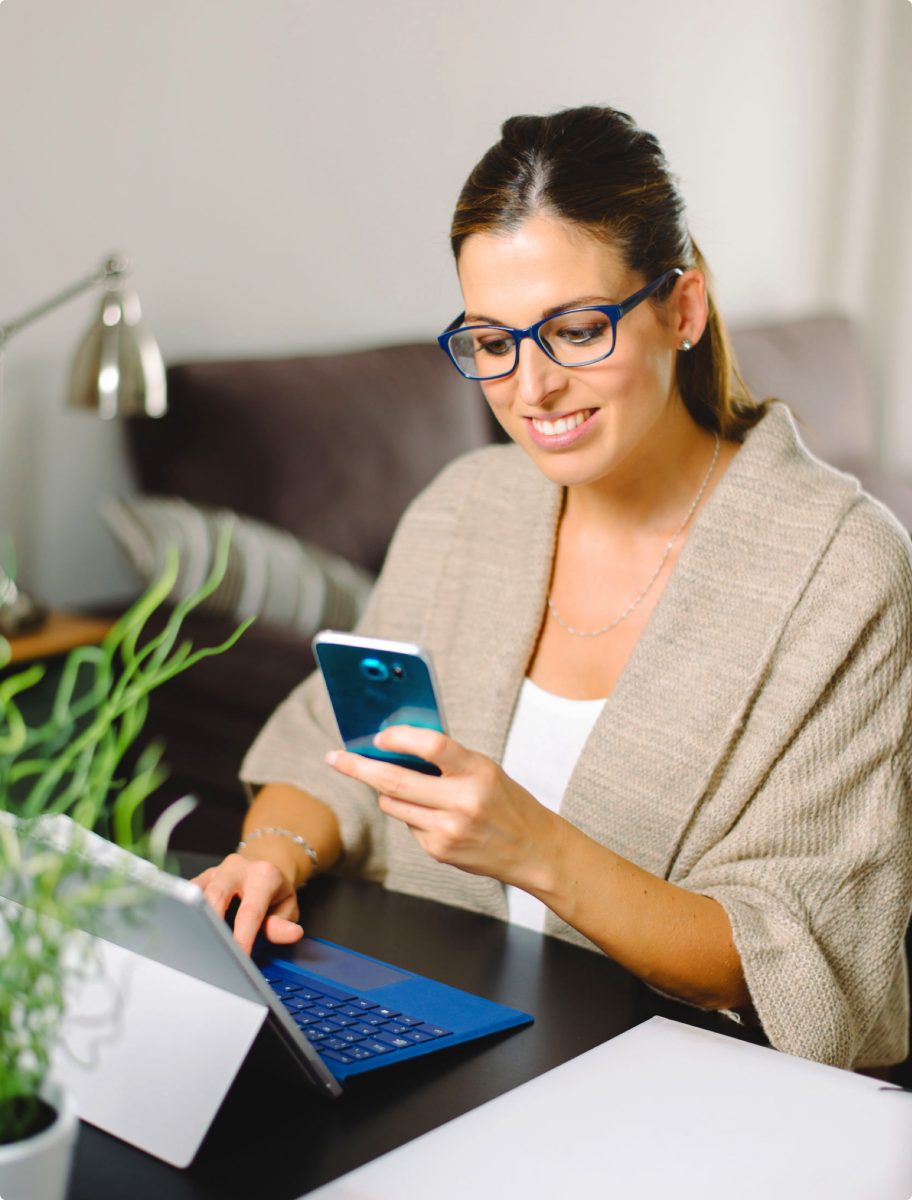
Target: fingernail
column 331, row 757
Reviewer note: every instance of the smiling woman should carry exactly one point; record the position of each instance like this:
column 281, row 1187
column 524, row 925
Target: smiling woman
column 674, row 648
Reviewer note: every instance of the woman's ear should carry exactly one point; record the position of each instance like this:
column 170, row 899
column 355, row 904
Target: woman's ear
column 691, row 306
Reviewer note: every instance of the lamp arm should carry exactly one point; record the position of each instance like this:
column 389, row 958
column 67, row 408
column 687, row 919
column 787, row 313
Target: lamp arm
column 116, row 265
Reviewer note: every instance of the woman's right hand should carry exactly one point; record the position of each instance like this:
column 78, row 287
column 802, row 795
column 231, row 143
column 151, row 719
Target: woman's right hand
column 268, row 900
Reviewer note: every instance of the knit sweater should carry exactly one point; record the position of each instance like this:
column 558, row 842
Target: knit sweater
column 756, row 748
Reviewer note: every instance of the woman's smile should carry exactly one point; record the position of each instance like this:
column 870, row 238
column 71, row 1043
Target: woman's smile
column 557, row 432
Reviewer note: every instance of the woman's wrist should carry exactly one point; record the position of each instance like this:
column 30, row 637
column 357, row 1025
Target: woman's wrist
column 292, row 860
column 544, row 872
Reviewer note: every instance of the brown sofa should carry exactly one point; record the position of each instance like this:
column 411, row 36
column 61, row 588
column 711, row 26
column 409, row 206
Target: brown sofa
column 333, row 447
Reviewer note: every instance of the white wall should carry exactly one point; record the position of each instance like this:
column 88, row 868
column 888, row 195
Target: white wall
column 283, row 172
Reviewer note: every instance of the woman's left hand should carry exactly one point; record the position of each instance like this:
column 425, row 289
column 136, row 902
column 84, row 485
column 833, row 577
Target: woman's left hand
column 472, row 815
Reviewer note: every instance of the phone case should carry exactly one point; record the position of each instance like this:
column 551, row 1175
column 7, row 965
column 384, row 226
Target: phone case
column 374, row 683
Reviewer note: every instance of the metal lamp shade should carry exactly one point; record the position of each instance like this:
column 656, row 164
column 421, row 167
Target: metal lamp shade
column 118, row 369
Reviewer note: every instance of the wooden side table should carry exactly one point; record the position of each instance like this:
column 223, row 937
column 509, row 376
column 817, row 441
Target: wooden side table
column 61, row 631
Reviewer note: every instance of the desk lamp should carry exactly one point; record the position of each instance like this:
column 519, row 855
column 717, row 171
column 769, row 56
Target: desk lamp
column 117, row 371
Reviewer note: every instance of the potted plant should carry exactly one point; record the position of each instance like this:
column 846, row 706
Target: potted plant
column 70, row 761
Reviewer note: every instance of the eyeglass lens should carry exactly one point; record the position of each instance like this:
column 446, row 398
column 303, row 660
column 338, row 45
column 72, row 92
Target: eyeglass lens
column 572, row 338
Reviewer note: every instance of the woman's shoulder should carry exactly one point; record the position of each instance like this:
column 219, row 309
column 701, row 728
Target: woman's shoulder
column 806, row 500
column 481, row 476
column 874, row 551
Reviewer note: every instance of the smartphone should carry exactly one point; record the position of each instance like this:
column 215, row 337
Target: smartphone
column 374, row 683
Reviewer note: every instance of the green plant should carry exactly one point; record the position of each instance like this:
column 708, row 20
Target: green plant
column 70, row 762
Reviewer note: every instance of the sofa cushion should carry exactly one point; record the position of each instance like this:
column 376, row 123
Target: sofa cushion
column 816, row 366
column 269, row 573
column 331, row 447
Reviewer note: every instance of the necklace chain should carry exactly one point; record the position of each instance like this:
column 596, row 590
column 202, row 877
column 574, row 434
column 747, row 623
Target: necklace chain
column 656, row 573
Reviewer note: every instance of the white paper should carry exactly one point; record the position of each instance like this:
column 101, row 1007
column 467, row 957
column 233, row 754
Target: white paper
column 662, row 1111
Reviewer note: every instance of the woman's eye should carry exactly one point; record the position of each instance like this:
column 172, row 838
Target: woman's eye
column 581, row 335
column 496, row 346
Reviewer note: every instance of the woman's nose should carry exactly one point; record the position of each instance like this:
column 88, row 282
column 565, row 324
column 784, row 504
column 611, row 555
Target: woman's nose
column 536, row 375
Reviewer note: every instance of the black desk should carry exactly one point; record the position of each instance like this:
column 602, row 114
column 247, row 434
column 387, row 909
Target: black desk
column 274, row 1139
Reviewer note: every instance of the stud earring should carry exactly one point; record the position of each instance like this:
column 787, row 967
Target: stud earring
column 686, row 344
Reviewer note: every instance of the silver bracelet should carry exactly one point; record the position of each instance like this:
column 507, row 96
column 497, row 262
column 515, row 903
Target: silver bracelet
column 295, row 837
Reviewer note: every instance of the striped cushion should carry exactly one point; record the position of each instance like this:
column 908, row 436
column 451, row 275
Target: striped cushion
column 270, row 574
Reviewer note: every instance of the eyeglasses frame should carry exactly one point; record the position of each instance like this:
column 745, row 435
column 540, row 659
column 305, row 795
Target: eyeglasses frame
column 613, row 312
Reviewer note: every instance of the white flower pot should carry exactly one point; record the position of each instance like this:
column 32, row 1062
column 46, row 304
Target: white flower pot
column 38, row 1168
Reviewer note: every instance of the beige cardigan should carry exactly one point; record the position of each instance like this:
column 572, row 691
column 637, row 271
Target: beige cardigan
column 756, row 748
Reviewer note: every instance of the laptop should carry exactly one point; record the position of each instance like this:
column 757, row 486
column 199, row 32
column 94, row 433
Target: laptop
column 155, row 1033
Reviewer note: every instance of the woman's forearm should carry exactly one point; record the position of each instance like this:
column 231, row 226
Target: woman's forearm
column 676, row 940
column 283, row 806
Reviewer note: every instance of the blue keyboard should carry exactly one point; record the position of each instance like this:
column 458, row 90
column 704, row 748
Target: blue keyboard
column 343, row 1027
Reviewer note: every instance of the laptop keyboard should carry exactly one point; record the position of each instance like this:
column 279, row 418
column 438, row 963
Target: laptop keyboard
column 344, row 1027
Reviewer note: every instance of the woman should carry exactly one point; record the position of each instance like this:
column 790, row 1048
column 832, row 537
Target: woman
column 674, row 648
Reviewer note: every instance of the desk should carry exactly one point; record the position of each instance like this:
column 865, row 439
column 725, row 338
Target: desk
column 275, row 1140
column 60, row 632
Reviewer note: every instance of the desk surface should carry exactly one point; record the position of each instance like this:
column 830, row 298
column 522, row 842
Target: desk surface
column 276, row 1140
column 60, row 632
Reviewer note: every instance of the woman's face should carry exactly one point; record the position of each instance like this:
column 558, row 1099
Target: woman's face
column 626, row 401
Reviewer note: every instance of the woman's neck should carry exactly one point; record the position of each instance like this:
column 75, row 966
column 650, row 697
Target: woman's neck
column 654, row 485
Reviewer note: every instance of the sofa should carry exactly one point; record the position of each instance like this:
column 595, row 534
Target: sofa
column 331, row 448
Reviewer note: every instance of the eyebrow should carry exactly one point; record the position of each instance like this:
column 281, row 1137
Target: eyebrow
column 577, row 302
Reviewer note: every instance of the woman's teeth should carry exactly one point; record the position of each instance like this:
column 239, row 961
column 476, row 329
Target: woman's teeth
column 564, row 425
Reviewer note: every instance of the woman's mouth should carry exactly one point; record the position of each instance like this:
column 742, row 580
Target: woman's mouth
column 561, row 431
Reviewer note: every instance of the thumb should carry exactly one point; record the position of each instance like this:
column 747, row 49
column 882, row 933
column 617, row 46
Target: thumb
column 281, row 930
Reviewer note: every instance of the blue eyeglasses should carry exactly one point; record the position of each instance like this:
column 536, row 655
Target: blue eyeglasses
column 575, row 337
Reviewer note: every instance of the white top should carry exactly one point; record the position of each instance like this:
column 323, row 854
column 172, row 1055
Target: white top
column 545, row 740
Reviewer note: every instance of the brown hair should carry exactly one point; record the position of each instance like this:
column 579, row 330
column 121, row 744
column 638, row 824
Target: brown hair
column 596, row 168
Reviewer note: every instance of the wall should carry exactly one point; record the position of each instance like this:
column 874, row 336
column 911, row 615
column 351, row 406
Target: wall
column 282, row 173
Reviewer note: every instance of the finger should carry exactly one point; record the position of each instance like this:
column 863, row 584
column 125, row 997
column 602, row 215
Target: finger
column 429, row 744
column 384, row 777
column 225, row 883
column 203, row 878
column 282, row 931
column 264, row 884
column 415, row 816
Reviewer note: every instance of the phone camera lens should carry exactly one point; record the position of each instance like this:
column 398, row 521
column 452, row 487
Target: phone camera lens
column 374, row 670
column 398, row 672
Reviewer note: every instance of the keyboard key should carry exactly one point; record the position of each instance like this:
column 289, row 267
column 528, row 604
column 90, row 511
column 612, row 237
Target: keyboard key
column 364, row 1029
column 313, row 1034
column 328, row 1027
column 327, row 1002
column 333, row 1043
column 359, row 1002
column 317, row 1010
column 332, row 993
column 343, row 1021
column 390, row 1039
column 286, row 987
column 371, row 1018
column 302, row 1020
column 375, row 1047
column 388, row 1013
column 336, row 1056
column 358, row 1053
column 350, row 1037
column 416, row 1036
column 349, row 1010
column 434, row 1030
column 404, row 1020
column 393, row 1027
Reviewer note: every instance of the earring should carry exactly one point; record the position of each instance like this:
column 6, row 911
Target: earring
column 686, row 344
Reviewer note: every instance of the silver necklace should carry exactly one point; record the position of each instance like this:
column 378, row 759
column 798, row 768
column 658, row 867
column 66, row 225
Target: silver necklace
column 656, row 573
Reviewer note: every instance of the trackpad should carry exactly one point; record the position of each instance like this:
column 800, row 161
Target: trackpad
column 342, row 967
